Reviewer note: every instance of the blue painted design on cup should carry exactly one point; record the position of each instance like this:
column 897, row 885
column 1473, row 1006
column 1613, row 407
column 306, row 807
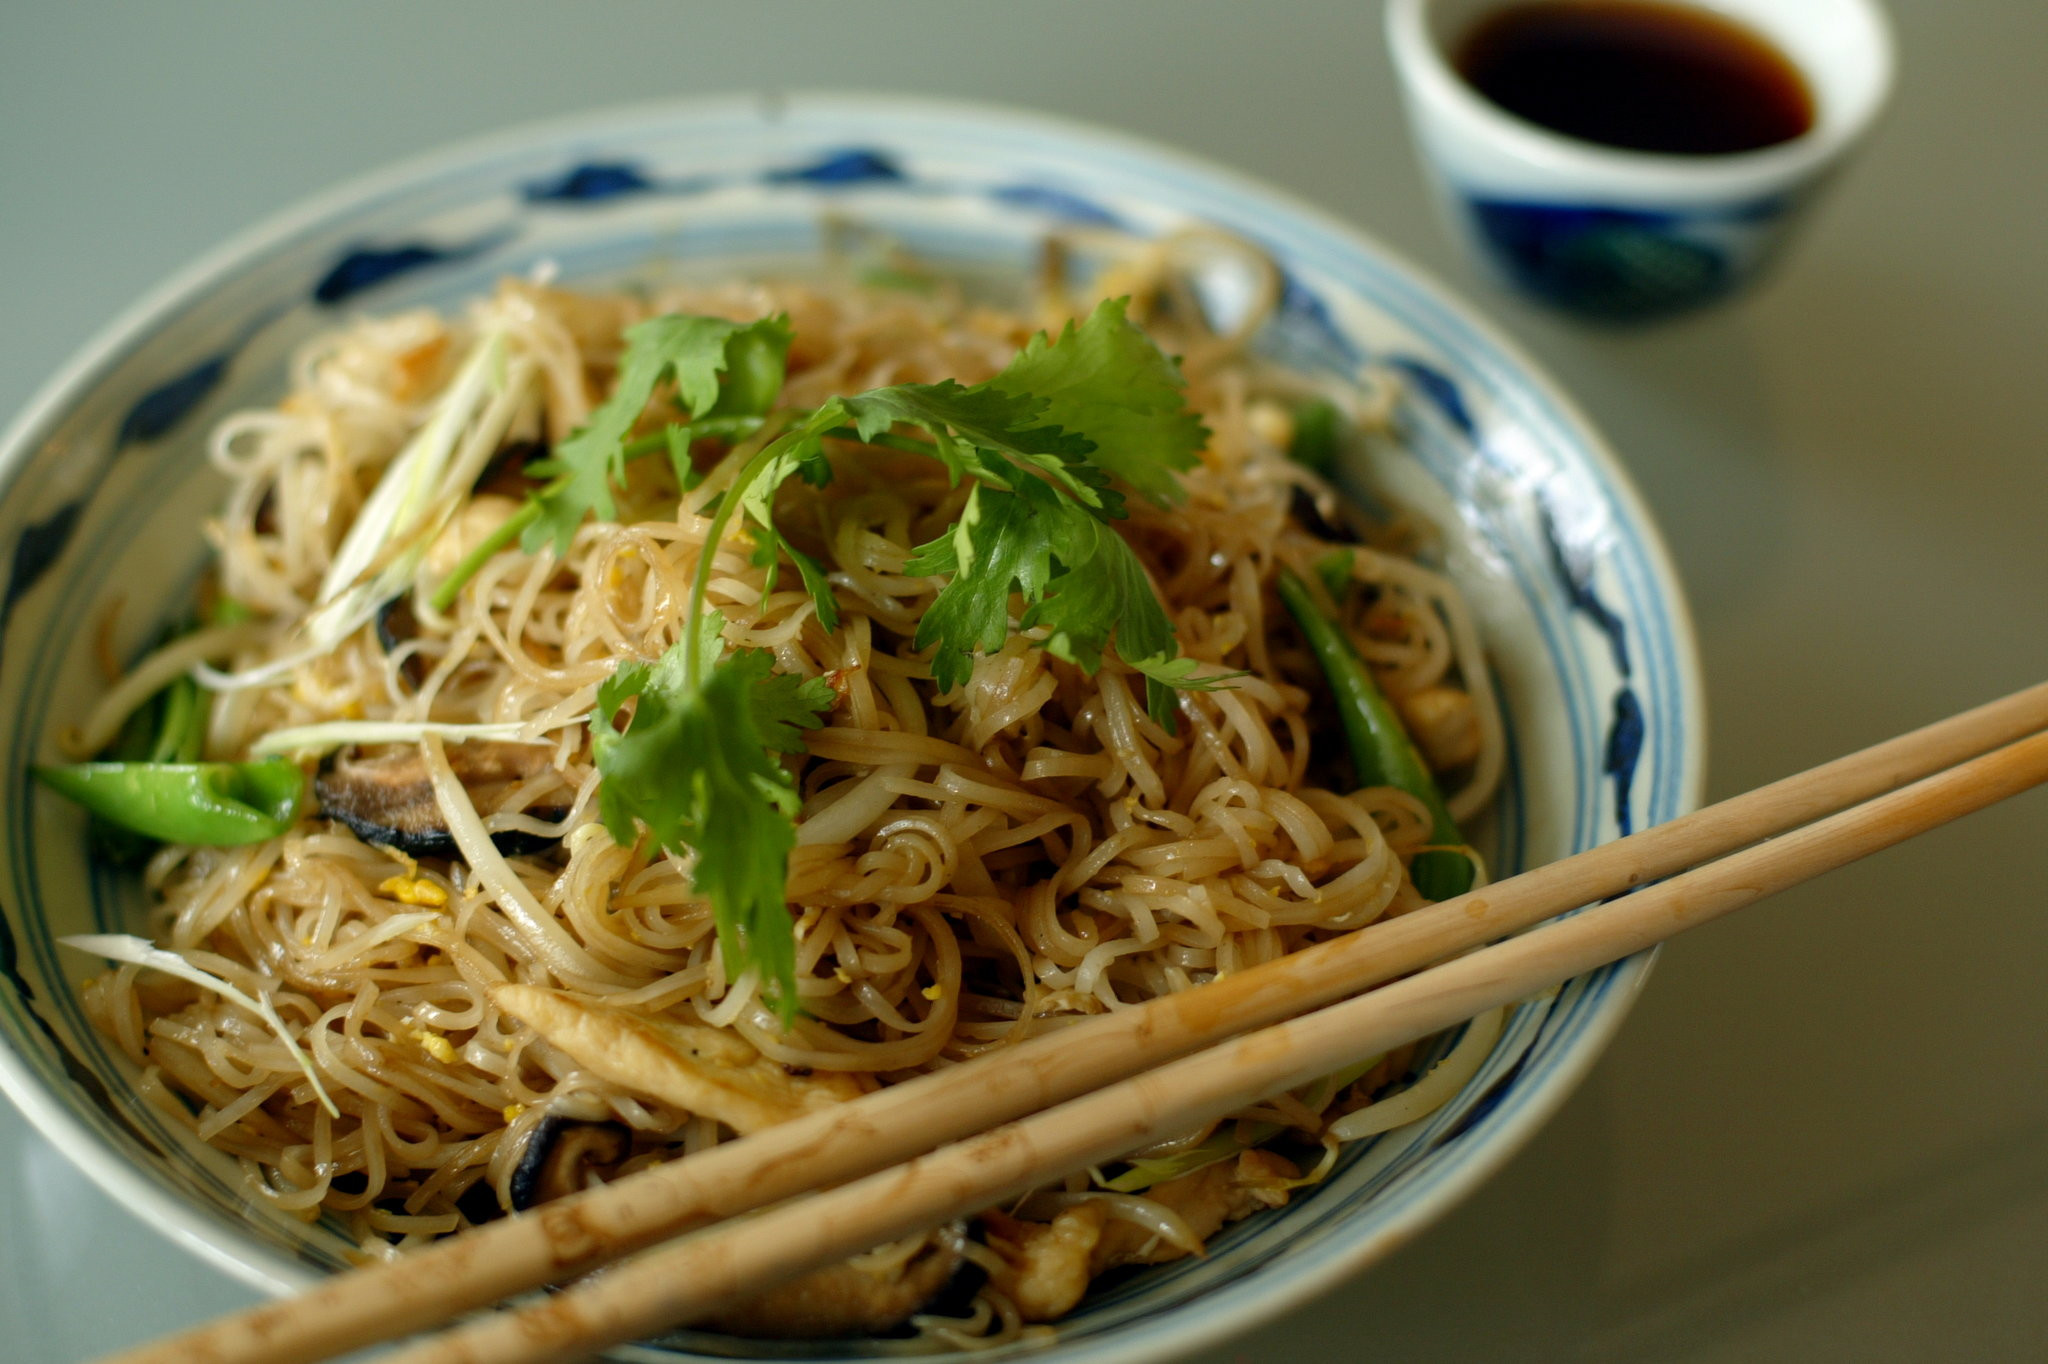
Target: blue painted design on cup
column 1605, row 262
column 850, row 166
column 78, row 1071
column 1491, row 1100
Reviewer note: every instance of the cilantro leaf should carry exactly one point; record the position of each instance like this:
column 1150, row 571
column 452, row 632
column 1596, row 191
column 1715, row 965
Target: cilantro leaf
column 1107, row 381
column 999, row 546
column 1101, row 589
column 756, row 360
column 1100, row 400
column 985, row 434
column 1060, row 420
column 1107, row 594
column 675, row 440
column 813, row 574
column 1074, row 574
column 981, row 416
column 694, row 766
column 800, row 452
column 694, row 351
column 783, row 705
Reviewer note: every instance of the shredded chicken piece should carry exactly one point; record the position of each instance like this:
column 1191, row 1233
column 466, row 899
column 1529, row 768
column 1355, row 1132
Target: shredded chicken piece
column 481, row 515
column 853, row 1298
column 1265, row 1178
column 1206, row 1200
column 1046, row 1265
column 1445, row 724
column 708, row 1071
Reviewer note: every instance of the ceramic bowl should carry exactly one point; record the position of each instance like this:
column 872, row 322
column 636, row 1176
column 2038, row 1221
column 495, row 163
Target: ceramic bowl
column 102, row 486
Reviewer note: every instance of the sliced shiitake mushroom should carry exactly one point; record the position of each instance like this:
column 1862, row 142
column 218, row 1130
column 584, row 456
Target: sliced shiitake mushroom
column 506, row 473
column 1308, row 510
column 397, row 625
column 389, row 798
column 563, row 1156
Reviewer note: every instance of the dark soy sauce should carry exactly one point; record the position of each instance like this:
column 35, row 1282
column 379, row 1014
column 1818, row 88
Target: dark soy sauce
column 1638, row 74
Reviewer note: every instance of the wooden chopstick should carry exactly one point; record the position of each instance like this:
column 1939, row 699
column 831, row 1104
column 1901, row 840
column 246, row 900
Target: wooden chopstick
column 677, row 1283
column 571, row 1236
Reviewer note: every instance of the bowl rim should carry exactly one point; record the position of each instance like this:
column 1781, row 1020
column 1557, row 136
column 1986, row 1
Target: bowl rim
column 260, row 1268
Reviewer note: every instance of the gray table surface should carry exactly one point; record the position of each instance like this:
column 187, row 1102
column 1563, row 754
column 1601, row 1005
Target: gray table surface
column 1823, row 1135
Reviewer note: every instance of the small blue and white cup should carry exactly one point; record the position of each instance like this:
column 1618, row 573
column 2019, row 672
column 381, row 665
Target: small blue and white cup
column 1605, row 232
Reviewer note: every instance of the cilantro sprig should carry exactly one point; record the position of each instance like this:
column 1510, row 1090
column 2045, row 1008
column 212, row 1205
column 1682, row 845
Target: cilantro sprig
column 1051, row 445
column 694, row 766
column 1108, row 382
column 1045, row 441
column 1077, row 577
column 694, row 351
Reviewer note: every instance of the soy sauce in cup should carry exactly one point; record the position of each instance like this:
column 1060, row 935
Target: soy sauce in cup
column 1638, row 74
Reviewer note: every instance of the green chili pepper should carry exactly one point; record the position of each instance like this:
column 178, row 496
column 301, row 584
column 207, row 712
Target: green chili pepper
column 1381, row 750
column 169, row 727
column 135, row 741
column 181, row 723
column 1318, row 427
column 227, row 611
column 213, row 804
column 1334, row 569
column 898, row 278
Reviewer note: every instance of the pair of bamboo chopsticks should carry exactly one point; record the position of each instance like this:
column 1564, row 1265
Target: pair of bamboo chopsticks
column 1165, row 1090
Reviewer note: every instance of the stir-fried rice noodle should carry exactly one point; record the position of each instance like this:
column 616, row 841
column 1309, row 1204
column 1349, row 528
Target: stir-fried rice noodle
column 973, row 868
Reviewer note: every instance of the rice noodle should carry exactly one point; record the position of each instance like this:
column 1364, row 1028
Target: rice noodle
column 1428, row 1094
column 972, row 867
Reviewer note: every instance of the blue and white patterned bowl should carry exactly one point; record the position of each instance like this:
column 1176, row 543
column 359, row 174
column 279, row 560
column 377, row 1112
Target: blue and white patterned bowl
column 102, row 486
